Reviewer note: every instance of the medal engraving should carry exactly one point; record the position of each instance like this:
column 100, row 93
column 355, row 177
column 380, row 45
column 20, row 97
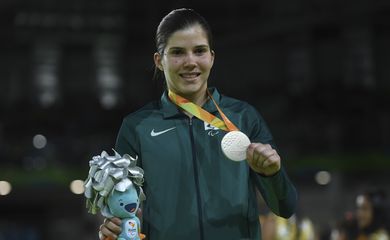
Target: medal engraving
column 234, row 145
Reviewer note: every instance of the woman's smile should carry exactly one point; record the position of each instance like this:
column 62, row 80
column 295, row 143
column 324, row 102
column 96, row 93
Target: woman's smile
column 190, row 76
column 187, row 62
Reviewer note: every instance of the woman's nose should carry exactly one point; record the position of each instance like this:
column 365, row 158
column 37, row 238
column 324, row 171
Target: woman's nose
column 189, row 59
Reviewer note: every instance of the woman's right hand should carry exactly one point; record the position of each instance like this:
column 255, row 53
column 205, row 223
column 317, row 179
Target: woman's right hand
column 110, row 229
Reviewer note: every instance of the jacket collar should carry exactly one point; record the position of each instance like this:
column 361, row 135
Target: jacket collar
column 169, row 109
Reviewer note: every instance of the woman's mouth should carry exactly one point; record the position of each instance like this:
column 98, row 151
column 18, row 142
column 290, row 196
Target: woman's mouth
column 189, row 76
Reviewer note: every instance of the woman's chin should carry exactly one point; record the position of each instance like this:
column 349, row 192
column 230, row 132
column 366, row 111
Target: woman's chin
column 192, row 80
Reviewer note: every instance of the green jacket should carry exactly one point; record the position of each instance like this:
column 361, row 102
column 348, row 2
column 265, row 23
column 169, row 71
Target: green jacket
column 192, row 190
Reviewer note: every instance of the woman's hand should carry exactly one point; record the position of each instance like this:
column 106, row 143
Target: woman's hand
column 263, row 159
column 110, row 229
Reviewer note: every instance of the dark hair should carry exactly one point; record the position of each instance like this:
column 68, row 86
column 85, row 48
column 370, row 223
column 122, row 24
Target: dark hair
column 178, row 19
column 377, row 198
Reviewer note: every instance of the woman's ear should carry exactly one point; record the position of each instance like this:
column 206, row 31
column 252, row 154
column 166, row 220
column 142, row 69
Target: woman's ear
column 212, row 56
column 157, row 61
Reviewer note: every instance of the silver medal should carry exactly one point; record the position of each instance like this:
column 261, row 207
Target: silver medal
column 234, row 145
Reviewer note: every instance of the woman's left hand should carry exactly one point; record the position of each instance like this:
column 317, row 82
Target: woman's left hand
column 263, row 159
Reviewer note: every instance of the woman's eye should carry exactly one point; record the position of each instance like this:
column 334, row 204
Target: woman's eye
column 200, row 51
column 177, row 52
column 121, row 204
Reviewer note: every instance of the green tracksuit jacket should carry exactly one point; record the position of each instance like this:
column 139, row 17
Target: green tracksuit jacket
column 192, row 190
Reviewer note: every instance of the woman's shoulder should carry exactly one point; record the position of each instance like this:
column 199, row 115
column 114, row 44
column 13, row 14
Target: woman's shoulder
column 239, row 106
column 143, row 111
column 233, row 102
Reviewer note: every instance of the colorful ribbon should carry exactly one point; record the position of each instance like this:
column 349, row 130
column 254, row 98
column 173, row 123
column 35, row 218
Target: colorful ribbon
column 202, row 114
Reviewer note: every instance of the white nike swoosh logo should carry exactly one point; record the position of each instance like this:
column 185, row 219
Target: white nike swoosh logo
column 154, row 134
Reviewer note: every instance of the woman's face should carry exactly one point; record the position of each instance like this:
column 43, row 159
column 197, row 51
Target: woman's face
column 186, row 62
column 364, row 211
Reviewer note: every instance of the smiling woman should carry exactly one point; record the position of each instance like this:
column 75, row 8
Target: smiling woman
column 186, row 63
column 194, row 191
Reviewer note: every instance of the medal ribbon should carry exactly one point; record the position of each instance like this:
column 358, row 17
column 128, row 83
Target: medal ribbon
column 202, row 114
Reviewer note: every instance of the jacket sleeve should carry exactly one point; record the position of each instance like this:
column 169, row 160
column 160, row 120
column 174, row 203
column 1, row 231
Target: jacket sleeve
column 278, row 191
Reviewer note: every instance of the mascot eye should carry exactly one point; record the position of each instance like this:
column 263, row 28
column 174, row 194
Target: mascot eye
column 121, row 204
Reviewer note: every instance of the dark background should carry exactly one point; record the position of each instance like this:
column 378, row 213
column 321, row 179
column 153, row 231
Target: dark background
column 317, row 70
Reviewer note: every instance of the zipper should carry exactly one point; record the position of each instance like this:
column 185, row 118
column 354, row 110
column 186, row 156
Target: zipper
column 196, row 178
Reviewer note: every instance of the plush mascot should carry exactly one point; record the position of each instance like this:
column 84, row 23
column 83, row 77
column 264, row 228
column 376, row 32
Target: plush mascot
column 114, row 186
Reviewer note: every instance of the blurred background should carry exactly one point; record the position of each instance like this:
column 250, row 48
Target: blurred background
column 317, row 70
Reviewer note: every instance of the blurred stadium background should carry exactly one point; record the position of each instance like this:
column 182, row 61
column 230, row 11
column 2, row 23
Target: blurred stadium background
column 317, row 70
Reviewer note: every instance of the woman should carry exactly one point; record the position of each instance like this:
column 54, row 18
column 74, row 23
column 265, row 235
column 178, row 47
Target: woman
column 371, row 217
column 369, row 222
column 193, row 190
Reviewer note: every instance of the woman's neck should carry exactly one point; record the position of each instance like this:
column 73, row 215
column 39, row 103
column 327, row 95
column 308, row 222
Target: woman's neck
column 198, row 100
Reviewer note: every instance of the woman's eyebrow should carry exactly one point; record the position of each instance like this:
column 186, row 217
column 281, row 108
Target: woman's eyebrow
column 175, row 48
column 198, row 46
column 202, row 46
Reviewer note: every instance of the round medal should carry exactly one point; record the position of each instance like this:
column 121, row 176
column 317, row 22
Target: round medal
column 234, row 145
